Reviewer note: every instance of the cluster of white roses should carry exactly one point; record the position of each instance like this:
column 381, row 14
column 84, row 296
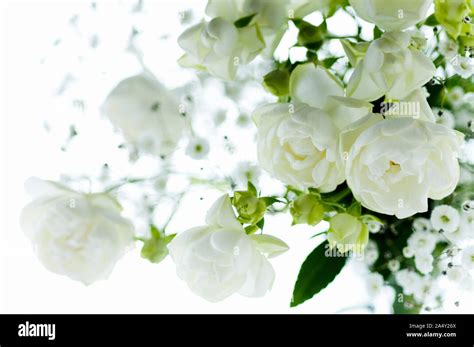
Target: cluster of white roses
column 325, row 136
column 238, row 31
column 378, row 134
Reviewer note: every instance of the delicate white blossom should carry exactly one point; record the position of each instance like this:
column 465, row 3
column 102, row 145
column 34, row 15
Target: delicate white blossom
column 219, row 259
column 81, row 236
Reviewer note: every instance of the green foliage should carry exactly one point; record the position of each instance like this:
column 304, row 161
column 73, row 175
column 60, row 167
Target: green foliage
column 311, row 36
column 155, row 249
column 318, row 270
column 244, row 21
column 277, row 82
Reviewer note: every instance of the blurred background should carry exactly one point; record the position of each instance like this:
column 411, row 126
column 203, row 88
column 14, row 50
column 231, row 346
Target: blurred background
column 59, row 60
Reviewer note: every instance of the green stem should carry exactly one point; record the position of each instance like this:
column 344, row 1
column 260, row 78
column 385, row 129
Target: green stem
column 340, row 195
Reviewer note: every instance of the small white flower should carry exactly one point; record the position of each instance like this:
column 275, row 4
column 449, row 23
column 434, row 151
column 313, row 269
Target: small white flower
column 445, row 218
column 422, row 224
column 465, row 230
column 371, row 253
column 393, row 265
column 424, row 262
column 458, row 236
column 374, row 226
column 456, row 96
column 422, row 242
column 374, row 284
column 426, row 290
column 409, row 280
column 456, row 273
column 197, row 148
column 408, row 252
column 245, row 172
column 444, row 117
column 467, row 152
column 448, row 48
column 467, row 283
column 464, row 66
column 467, row 257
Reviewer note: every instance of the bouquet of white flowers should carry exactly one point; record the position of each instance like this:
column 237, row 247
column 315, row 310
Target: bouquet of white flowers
column 374, row 146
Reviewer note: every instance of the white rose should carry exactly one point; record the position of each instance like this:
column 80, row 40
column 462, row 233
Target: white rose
column 392, row 15
column 271, row 14
column 391, row 67
column 146, row 113
column 81, row 236
column 220, row 259
column 219, row 47
column 297, row 142
column 394, row 166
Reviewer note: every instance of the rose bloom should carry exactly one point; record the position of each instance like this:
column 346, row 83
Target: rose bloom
column 218, row 47
column 392, row 15
column 81, row 236
column 219, row 259
column 393, row 166
column 297, row 143
column 391, row 67
column 146, row 113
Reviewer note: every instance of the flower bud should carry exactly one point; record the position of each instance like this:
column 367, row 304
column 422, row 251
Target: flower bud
column 307, row 209
column 348, row 233
column 249, row 207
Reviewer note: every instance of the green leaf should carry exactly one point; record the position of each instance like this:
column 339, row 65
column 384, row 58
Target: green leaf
column 261, row 223
column 251, row 229
column 355, row 209
column 377, row 32
column 431, row 21
column 155, row 233
column 270, row 200
column 329, row 62
column 251, row 188
column 311, row 36
column 317, row 271
column 277, row 82
column 244, row 21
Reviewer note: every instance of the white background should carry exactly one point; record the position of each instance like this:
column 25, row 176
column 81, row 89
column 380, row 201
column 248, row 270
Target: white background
column 31, row 69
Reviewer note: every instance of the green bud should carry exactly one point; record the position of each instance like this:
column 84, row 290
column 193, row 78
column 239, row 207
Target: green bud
column 347, row 233
column 311, row 36
column 307, row 209
column 155, row 249
column 451, row 13
column 250, row 208
column 277, row 82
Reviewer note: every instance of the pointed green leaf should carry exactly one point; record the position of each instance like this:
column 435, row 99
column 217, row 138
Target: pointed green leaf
column 244, row 21
column 317, row 271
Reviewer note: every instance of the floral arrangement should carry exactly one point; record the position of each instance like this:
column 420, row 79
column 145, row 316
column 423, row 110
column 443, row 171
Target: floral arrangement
column 375, row 146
